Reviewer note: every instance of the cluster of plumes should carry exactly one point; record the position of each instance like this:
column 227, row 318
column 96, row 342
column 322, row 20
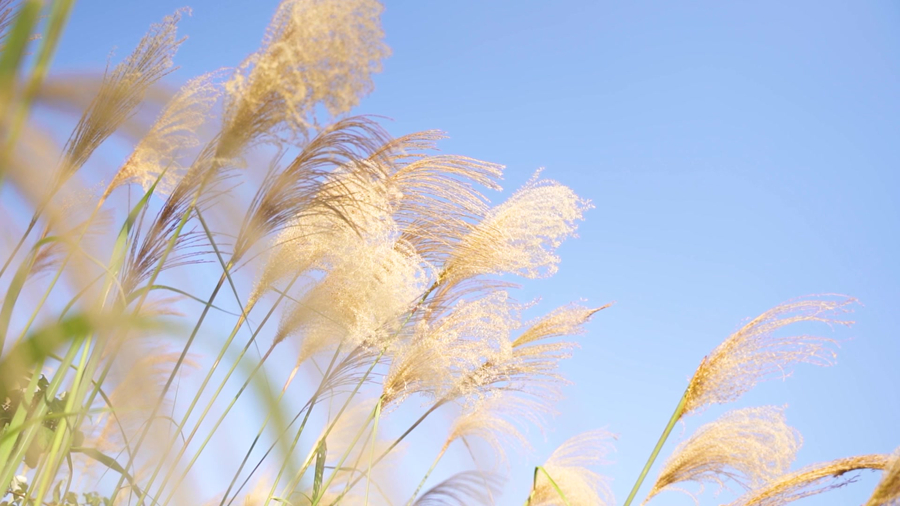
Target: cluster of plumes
column 386, row 273
column 335, row 45
column 748, row 446
column 813, row 480
column 569, row 466
column 754, row 353
column 381, row 247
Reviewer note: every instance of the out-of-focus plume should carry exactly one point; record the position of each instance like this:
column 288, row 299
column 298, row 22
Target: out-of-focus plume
column 754, row 353
column 747, row 446
column 138, row 375
column 497, row 419
column 569, row 467
column 462, row 489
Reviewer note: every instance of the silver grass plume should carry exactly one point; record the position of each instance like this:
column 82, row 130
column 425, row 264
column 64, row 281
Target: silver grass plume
column 315, row 52
column 301, row 190
column 754, row 353
column 748, row 446
column 518, row 237
column 436, row 198
column 175, row 130
column 569, row 467
column 498, row 419
column 444, row 353
column 121, row 91
column 811, row 480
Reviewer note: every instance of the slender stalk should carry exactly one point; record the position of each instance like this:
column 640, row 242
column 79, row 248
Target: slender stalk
column 337, row 468
column 372, row 448
column 184, row 472
column 397, row 441
column 297, row 478
column 427, row 473
column 202, row 388
column 553, row 483
column 296, row 481
column 169, row 247
column 310, row 403
column 679, row 410
column 18, row 246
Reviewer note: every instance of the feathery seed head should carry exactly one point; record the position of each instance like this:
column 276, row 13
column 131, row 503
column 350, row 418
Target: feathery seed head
column 445, row 357
column 749, row 446
column 174, row 131
column 810, row 480
column 754, row 354
column 521, row 235
column 316, row 52
column 121, row 91
column 497, row 418
column 359, row 301
column 565, row 321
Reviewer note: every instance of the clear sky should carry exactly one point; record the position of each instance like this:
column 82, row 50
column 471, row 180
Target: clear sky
column 739, row 154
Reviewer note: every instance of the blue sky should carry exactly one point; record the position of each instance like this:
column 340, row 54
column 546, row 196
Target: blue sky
column 737, row 154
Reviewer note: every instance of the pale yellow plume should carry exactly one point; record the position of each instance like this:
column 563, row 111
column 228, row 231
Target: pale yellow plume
column 748, row 446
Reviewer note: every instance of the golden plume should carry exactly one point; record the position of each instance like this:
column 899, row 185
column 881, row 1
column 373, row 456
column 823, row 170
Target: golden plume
column 810, row 480
column 754, row 353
